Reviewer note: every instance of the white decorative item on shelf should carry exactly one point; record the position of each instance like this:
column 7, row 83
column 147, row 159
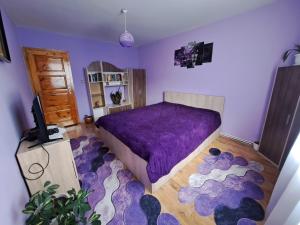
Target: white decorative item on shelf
column 297, row 59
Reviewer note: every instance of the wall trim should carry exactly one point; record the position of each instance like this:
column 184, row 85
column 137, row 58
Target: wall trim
column 237, row 138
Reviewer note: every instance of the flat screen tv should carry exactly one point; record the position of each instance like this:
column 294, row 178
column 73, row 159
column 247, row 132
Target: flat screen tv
column 41, row 127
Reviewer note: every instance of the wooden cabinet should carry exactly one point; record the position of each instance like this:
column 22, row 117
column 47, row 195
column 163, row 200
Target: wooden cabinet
column 52, row 161
column 137, row 87
column 282, row 122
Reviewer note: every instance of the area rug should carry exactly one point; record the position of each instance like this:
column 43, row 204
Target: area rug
column 226, row 187
column 116, row 195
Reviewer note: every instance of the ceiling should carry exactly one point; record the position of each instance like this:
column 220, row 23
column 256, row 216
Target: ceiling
column 147, row 20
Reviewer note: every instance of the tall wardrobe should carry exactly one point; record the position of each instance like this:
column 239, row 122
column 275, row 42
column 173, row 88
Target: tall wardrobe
column 282, row 124
column 137, row 87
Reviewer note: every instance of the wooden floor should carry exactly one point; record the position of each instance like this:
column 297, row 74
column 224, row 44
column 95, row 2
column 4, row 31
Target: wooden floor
column 168, row 193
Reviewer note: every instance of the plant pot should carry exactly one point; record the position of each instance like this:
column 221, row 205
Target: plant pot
column 297, row 59
column 88, row 119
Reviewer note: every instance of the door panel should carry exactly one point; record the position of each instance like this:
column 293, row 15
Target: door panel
column 47, row 64
column 281, row 110
column 52, row 80
column 61, row 116
column 139, row 88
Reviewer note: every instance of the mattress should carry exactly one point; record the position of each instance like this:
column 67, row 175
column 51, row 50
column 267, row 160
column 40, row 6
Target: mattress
column 162, row 134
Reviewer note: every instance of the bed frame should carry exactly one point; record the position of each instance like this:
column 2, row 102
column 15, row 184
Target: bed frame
column 137, row 165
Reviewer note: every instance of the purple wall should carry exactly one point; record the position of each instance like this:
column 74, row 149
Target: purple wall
column 247, row 50
column 15, row 116
column 82, row 51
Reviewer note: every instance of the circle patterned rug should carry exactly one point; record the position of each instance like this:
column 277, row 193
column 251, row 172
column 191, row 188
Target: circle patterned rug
column 116, row 195
column 226, row 187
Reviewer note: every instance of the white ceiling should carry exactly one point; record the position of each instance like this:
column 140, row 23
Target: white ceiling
column 148, row 20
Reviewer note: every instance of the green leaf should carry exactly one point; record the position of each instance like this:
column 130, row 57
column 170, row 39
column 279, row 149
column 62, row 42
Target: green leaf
column 28, row 211
column 96, row 222
column 47, row 183
column 71, row 192
column 45, row 206
column 53, row 186
column 94, row 217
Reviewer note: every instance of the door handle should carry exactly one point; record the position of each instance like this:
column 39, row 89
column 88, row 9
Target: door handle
column 287, row 121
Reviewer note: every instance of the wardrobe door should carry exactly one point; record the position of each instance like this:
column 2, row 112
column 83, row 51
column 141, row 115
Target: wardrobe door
column 293, row 133
column 139, row 88
column 280, row 114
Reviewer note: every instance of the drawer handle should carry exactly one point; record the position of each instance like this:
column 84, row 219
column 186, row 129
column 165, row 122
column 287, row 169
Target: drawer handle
column 74, row 169
column 288, row 120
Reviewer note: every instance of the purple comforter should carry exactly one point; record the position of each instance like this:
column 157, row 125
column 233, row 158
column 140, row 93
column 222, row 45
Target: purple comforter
column 163, row 134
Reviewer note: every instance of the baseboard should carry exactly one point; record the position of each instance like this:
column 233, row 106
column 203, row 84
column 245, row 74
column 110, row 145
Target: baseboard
column 237, row 138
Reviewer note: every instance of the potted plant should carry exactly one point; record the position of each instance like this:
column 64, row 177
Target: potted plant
column 116, row 97
column 46, row 208
column 297, row 55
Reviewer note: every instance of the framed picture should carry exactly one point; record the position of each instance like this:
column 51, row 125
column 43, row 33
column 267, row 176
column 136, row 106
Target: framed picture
column 4, row 51
column 208, row 51
column 193, row 54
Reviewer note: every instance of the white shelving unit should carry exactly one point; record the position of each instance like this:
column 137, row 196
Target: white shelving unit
column 102, row 79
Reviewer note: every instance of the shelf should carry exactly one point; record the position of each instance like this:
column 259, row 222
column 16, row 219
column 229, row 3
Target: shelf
column 97, row 93
column 93, row 72
column 113, row 73
column 115, row 83
column 100, row 107
column 116, row 106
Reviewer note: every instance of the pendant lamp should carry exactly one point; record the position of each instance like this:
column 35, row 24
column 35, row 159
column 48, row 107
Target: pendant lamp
column 126, row 39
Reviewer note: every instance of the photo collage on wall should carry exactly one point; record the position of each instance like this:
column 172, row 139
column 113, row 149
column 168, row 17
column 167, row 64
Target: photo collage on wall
column 194, row 54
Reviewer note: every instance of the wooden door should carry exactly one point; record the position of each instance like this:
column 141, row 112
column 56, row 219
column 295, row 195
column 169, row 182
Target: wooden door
column 51, row 78
column 139, row 88
column 281, row 111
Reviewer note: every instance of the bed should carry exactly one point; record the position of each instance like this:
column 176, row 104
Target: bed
column 156, row 141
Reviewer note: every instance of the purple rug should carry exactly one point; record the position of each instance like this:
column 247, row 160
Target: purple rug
column 226, row 187
column 117, row 196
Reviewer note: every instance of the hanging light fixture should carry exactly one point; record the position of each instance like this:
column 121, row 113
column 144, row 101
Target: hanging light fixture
column 126, row 39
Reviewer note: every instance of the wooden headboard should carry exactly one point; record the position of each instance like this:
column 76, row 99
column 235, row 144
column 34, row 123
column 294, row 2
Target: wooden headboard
column 215, row 103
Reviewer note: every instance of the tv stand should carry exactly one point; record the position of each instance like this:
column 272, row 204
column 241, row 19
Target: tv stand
column 41, row 143
column 60, row 170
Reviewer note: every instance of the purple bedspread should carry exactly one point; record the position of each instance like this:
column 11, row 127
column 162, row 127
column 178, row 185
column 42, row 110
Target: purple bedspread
column 163, row 134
